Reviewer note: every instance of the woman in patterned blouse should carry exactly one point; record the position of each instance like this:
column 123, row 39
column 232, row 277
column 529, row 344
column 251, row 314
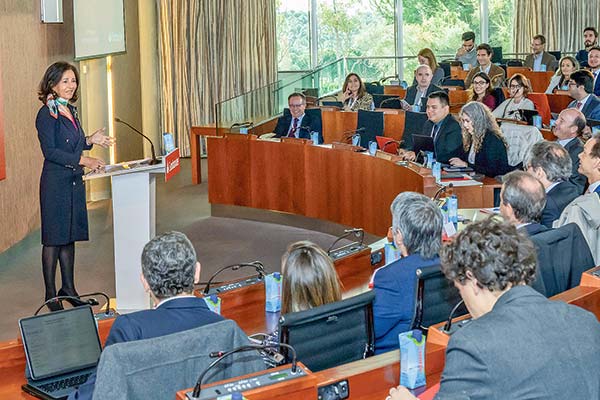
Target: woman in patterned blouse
column 355, row 94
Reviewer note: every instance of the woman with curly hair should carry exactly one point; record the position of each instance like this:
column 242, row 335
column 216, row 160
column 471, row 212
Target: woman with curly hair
column 482, row 141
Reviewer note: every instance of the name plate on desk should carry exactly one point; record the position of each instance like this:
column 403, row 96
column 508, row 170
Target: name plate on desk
column 172, row 165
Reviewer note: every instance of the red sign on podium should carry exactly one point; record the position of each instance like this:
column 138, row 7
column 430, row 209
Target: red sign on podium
column 172, row 164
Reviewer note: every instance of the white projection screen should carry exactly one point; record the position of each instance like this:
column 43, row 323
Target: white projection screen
column 99, row 28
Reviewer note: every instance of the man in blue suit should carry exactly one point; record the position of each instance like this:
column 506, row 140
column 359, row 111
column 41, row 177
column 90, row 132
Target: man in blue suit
column 550, row 163
column 417, row 231
column 169, row 271
column 581, row 88
column 297, row 123
column 519, row 343
column 590, row 39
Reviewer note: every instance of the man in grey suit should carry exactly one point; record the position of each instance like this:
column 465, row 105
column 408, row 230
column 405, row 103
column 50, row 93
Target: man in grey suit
column 519, row 344
column 569, row 127
column 550, row 163
column 540, row 59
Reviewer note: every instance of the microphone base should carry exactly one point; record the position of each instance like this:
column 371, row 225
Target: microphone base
column 154, row 162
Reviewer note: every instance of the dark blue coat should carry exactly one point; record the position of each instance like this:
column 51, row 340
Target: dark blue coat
column 491, row 160
column 557, row 199
column 62, row 190
column 394, row 304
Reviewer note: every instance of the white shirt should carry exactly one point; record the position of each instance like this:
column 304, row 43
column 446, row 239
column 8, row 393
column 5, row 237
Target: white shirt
column 297, row 133
column 593, row 186
column 583, row 101
column 564, row 142
column 171, row 298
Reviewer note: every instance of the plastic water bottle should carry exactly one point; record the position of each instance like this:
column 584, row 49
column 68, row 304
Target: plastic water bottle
column 453, row 209
column 436, row 171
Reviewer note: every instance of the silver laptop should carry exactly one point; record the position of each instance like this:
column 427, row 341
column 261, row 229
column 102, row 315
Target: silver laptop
column 62, row 350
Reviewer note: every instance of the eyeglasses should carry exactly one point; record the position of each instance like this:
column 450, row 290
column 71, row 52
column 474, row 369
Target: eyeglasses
column 295, row 105
column 515, row 87
column 571, row 83
column 479, row 83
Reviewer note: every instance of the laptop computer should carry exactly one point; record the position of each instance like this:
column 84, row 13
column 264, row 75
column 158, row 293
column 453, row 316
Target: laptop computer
column 422, row 143
column 62, row 350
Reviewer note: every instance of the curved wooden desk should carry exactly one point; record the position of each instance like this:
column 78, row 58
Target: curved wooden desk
column 341, row 186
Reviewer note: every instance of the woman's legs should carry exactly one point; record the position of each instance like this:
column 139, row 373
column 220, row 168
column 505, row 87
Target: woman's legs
column 49, row 259
column 66, row 256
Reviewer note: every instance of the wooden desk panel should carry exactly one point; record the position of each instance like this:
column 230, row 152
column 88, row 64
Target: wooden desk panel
column 558, row 102
column 394, row 90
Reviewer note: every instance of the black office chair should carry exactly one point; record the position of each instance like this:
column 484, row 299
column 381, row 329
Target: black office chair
column 391, row 101
column 338, row 104
column 497, row 55
column 514, row 63
column 498, row 94
column 317, row 125
column 556, row 54
column 563, row 256
column 332, row 334
column 414, row 122
column 372, row 121
column 445, row 65
column 435, row 298
column 448, row 81
column 374, row 87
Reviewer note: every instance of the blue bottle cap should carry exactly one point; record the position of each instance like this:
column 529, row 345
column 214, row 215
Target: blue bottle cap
column 276, row 275
column 417, row 334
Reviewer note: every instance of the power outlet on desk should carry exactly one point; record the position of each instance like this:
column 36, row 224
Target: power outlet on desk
column 336, row 391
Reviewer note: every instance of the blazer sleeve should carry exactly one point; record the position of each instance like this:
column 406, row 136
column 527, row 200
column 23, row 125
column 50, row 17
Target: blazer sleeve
column 465, row 372
column 46, row 126
column 528, row 61
column 492, row 159
column 451, row 144
column 438, row 77
column 410, row 95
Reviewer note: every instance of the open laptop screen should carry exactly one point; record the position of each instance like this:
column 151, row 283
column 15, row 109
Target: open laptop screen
column 60, row 342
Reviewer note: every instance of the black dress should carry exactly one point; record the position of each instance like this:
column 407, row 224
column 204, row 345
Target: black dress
column 492, row 159
column 62, row 190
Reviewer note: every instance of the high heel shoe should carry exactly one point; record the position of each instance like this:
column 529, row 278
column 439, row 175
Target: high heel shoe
column 75, row 300
column 55, row 305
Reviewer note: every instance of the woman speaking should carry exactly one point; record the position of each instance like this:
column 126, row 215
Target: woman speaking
column 62, row 190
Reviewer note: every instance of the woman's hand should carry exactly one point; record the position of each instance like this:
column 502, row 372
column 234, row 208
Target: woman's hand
column 347, row 94
column 100, row 138
column 457, row 162
column 95, row 164
column 400, row 393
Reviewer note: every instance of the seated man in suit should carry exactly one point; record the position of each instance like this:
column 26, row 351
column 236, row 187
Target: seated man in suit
column 540, row 59
column 569, row 127
column 484, row 58
column 594, row 67
column 442, row 126
column 169, row 271
column 585, row 210
column 416, row 95
column 417, row 232
column 296, row 124
column 581, row 88
column 550, row 163
column 590, row 39
column 467, row 54
column 522, row 201
column 519, row 343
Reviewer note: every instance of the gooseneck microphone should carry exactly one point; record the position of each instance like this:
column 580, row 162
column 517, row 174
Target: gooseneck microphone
column 358, row 232
column 448, row 324
column 390, row 99
column 347, row 135
column 154, row 160
column 221, row 355
column 257, row 265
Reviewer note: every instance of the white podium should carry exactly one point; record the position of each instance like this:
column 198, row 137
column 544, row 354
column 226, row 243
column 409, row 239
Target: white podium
column 134, row 224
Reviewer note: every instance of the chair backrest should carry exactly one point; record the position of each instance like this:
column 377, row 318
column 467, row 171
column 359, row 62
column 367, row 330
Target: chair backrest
column 317, row 120
column 445, row 66
column 391, row 101
column 498, row 94
column 157, row 368
column 540, row 101
column 332, row 334
column 563, row 256
column 497, row 55
column 449, row 81
column 556, row 54
column 338, row 104
column 514, row 63
column 413, row 122
column 372, row 121
column 520, row 139
column 435, row 298
column 374, row 88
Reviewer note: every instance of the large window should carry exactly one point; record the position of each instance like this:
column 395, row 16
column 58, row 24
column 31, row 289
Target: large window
column 366, row 28
column 293, row 35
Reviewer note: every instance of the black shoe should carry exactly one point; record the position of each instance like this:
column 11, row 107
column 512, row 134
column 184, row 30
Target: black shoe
column 55, row 305
column 75, row 301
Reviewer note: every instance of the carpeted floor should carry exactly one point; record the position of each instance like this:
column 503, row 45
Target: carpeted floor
column 180, row 206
